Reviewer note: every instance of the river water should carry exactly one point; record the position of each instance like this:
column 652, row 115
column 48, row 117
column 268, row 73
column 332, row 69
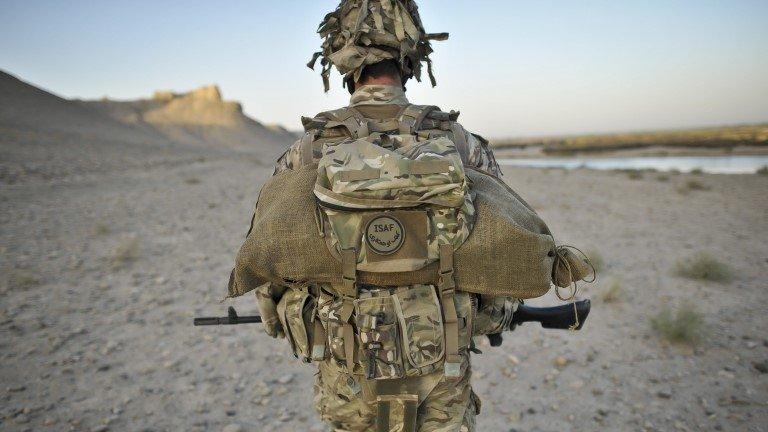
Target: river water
column 740, row 164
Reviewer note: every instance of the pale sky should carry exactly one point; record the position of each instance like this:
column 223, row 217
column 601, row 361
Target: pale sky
column 513, row 68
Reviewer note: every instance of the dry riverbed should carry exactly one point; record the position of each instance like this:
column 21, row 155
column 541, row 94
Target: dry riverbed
column 102, row 274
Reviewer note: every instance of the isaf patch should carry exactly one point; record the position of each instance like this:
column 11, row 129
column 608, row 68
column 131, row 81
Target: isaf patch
column 384, row 235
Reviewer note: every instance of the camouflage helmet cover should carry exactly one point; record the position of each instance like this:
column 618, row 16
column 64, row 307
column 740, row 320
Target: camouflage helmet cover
column 364, row 32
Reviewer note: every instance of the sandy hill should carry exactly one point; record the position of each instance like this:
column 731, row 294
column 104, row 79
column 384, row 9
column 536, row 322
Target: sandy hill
column 199, row 117
column 43, row 135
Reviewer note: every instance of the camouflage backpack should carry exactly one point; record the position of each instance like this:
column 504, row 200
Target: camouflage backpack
column 393, row 209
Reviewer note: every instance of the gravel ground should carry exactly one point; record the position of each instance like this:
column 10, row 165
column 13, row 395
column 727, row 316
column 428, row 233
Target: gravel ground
column 102, row 273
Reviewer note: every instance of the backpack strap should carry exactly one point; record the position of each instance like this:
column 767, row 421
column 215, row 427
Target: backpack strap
column 347, row 118
column 412, row 116
column 460, row 139
column 307, row 149
column 348, row 290
column 447, row 285
column 350, row 119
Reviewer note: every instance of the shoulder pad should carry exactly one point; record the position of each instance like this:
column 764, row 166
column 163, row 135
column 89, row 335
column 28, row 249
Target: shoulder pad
column 482, row 140
column 443, row 116
column 313, row 123
column 321, row 120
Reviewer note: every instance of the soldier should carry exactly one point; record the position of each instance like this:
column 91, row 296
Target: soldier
column 379, row 45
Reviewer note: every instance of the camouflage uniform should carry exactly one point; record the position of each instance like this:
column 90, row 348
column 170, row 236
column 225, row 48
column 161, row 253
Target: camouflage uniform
column 346, row 401
column 406, row 381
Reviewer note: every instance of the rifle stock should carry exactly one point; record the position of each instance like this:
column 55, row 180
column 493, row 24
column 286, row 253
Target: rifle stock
column 555, row 317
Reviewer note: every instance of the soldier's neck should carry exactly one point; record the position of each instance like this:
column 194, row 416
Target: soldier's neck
column 384, row 80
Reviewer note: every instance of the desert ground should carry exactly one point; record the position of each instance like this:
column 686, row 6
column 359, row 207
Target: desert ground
column 104, row 266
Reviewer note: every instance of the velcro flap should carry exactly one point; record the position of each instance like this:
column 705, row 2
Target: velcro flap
column 428, row 167
column 359, row 175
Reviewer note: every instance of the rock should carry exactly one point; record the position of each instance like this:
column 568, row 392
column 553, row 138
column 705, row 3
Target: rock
column 285, row 379
column 233, row 427
column 102, row 428
column 725, row 374
column 761, row 367
column 664, row 394
column 16, row 389
column 561, row 362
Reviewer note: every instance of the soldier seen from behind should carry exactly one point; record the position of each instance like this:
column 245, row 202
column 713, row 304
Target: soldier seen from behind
column 385, row 241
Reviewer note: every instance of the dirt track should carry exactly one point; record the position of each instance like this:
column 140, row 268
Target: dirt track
column 102, row 274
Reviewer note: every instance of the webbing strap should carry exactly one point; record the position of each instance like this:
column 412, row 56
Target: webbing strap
column 349, row 293
column 382, row 416
column 318, row 341
column 412, row 117
column 410, row 404
column 348, row 334
column 460, row 140
column 447, row 289
column 349, row 272
column 356, row 123
column 307, row 150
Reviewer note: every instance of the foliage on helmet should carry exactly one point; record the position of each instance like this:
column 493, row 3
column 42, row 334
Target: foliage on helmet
column 364, row 32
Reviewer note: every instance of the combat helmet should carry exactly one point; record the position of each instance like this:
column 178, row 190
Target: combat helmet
column 364, row 32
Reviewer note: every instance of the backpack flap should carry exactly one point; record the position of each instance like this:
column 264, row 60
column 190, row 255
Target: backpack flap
column 393, row 206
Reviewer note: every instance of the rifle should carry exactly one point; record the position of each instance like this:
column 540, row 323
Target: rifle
column 556, row 317
column 564, row 317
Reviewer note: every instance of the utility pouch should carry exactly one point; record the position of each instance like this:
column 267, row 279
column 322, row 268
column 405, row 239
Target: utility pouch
column 296, row 312
column 379, row 342
column 421, row 326
column 466, row 306
column 330, row 312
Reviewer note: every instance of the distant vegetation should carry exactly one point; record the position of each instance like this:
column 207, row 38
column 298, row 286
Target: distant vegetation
column 685, row 325
column 613, row 293
column 126, row 251
column 718, row 137
column 703, row 266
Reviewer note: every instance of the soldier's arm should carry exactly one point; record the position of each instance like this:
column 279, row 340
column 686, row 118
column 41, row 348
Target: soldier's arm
column 291, row 159
column 268, row 295
column 494, row 314
column 479, row 154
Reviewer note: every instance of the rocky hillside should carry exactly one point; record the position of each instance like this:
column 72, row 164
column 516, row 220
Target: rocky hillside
column 45, row 136
column 199, row 117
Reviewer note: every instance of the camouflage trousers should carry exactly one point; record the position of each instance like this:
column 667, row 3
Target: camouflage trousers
column 449, row 405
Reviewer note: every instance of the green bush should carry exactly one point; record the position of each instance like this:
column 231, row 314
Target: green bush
column 596, row 259
column 685, row 325
column 703, row 266
column 763, row 170
column 696, row 185
column 23, row 279
column 614, row 293
column 125, row 252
